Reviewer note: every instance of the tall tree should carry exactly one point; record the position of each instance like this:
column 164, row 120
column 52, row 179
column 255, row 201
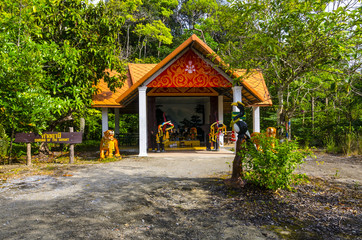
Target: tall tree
column 192, row 12
column 287, row 40
column 52, row 55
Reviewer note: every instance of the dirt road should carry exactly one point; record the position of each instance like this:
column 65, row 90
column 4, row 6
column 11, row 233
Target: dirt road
column 163, row 196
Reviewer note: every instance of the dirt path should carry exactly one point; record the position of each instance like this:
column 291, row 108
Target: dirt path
column 336, row 168
column 163, row 196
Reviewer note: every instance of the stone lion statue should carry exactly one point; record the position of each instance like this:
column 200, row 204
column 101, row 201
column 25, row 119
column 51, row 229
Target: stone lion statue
column 108, row 145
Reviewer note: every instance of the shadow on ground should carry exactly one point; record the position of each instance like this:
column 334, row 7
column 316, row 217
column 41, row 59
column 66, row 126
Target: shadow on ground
column 117, row 203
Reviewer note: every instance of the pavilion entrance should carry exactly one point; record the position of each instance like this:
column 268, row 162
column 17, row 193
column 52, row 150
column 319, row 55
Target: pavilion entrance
column 190, row 116
column 192, row 87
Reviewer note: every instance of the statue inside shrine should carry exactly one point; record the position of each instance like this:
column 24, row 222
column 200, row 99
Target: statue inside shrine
column 216, row 130
column 163, row 135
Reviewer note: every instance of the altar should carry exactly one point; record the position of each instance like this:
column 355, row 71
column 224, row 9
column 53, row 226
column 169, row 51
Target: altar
column 182, row 143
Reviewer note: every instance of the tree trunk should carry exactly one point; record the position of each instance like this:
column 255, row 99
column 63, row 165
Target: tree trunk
column 145, row 50
column 11, row 145
column 28, row 154
column 290, row 129
column 82, row 125
column 140, row 47
column 71, row 149
column 44, row 149
column 127, row 49
column 236, row 180
column 312, row 114
column 237, row 163
column 326, row 110
column 280, row 114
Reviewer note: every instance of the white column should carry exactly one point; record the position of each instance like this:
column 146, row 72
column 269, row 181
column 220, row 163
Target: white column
column 256, row 119
column 104, row 120
column 220, row 110
column 237, row 97
column 116, row 120
column 142, row 120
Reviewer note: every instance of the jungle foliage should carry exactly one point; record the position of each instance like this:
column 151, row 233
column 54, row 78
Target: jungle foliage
column 52, row 52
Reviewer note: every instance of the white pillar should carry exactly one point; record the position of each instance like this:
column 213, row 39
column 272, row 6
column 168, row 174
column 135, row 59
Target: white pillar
column 116, row 120
column 256, row 119
column 237, row 97
column 104, row 120
column 142, row 120
column 220, row 110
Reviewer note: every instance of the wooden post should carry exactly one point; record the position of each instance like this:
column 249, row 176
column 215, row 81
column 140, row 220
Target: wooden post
column 82, row 125
column 312, row 114
column 28, row 154
column 71, row 149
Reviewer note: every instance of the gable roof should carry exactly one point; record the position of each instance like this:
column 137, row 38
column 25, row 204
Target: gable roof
column 254, row 90
column 107, row 98
column 206, row 51
column 256, row 80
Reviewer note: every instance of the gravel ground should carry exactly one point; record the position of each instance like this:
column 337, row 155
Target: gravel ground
column 181, row 196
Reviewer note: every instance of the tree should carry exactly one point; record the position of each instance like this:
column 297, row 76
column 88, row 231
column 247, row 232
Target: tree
column 146, row 27
column 25, row 105
column 153, row 31
column 129, row 11
column 193, row 11
column 52, row 55
column 287, row 41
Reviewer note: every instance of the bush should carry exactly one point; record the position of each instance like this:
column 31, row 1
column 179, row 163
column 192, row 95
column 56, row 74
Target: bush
column 273, row 166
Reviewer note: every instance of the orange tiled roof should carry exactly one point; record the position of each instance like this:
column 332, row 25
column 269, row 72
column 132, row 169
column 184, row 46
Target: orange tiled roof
column 256, row 81
column 202, row 47
column 254, row 88
column 107, row 98
column 137, row 71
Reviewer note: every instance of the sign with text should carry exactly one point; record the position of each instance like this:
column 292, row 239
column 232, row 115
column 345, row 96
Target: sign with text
column 50, row 137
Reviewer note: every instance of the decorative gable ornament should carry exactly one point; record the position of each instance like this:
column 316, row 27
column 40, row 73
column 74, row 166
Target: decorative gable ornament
column 189, row 71
column 190, row 68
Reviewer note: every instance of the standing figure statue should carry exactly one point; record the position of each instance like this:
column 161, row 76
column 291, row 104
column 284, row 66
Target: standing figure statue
column 108, row 145
column 216, row 130
column 163, row 135
column 241, row 128
column 238, row 125
column 271, row 132
column 193, row 133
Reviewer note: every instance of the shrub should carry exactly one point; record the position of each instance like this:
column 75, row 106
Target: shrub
column 273, row 166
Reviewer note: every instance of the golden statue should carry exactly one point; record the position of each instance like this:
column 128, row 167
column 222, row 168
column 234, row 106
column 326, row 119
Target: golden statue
column 109, row 144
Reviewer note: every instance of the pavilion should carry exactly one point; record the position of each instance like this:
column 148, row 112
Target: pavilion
column 192, row 76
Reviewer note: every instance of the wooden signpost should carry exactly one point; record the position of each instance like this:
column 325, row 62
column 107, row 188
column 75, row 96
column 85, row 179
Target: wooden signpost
column 49, row 137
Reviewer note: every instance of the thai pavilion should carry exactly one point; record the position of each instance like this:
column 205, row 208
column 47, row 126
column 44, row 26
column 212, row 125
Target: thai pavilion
column 191, row 77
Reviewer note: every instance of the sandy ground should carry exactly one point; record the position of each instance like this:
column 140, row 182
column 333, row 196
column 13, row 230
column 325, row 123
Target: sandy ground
column 334, row 167
column 162, row 196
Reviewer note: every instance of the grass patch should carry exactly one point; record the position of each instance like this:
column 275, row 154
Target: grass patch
column 54, row 165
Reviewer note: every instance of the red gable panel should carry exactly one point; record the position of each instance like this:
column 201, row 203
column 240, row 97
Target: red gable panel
column 190, row 71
